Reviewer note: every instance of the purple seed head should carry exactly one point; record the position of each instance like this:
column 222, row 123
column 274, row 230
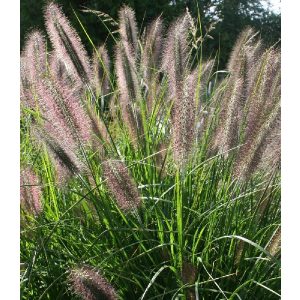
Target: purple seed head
column 181, row 89
column 183, row 123
column 63, row 155
column 175, row 53
column 262, row 118
column 101, row 68
column 130, row 92
column 151, row 61
column 67, row 43
column 36, row 56
column 59, row 73
column 98, row 126
column 89, row 284
column 63, row 111
column 30, row 192
column 128, row 31
column 26, row 87
column 238, row 55
column 121, row 185
column 274, row 245
column 151, row 55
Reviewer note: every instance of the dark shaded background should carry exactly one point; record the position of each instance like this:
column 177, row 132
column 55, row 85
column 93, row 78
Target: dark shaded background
column 232, row 17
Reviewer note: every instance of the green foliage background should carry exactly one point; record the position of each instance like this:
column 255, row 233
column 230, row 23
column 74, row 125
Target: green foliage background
column 232, row 16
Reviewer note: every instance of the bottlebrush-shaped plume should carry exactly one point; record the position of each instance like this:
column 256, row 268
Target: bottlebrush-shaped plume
column 101, row 135
column 249, row 102
column 216, row 114
column 128, row 31
column 121, row 185
column 101, row 69
column 201, row 76
column 263, row 114
column 242, row 67
column 57, row 67
column 130, row 92
column 183, row 123
column 253, row 53
column 274, row 245
column 64, row 110
column 181, row 92
column 67, row 43
column 59, row 73
column 175, row 55
column 151, row 56
column 199, row 79
column 127, row 73
column 229, row 134
column 151, row 60
column 250, row 157
column 30, row 192
column 89, row 284
column 234, row 98
column 188, row 273
column 26, row 88
column 64, row 156
column 98, row 126
column 271, row 157
column 65, row 128
column 232, row 102
column 36, row 56
column 264, row 90
column 33, row 67
column 237, row 59
column 54, row 121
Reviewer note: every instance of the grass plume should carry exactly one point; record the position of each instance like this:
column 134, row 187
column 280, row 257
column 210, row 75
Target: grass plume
column 31, row 192
column 128, row 31
column 101, row 72
column 121, row 185
column 67, row 43
column 89, row 284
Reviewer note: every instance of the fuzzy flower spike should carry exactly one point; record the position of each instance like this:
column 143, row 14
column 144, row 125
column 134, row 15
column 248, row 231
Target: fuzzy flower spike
column 67, row 43
column 121, row 185
column 30, row 192
column 87, row 283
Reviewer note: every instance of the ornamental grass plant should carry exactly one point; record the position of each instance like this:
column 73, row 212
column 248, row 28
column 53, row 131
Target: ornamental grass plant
column 148, row 173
